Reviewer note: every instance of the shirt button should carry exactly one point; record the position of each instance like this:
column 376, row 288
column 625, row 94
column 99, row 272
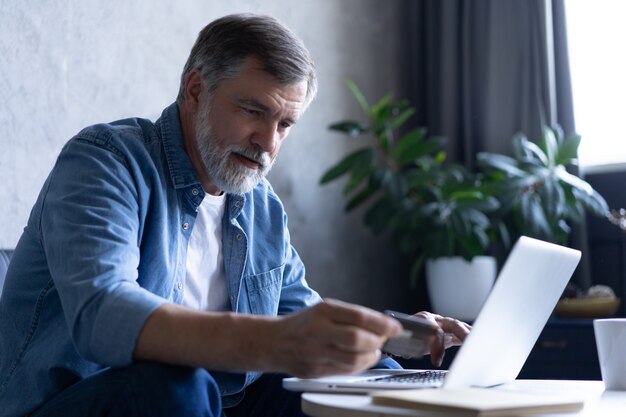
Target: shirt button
column 180, row 285
column 239, row 236
column 238, row 204
column 185, row 226
column 195, row 191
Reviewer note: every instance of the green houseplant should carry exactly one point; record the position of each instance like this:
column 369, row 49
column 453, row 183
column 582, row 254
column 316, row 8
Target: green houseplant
column 539, row 197
column 431, row 208
column 438, row 211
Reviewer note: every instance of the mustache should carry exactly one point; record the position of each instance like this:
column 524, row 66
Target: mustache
column 260, row 157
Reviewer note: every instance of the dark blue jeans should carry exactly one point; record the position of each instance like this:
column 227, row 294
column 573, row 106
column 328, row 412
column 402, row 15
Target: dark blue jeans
column 149, row 389
column 141, row 389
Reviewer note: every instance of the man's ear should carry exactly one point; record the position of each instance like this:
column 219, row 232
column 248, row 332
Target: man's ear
column 193, row 88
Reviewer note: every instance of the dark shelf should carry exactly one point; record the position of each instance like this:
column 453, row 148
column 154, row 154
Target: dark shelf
column 566, row 349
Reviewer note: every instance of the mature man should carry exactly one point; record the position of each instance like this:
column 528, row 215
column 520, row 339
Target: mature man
column 155, row 276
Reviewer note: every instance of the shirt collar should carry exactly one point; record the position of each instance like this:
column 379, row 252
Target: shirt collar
column 181, row 169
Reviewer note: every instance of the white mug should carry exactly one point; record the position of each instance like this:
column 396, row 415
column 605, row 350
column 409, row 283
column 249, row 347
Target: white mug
column 611, row 343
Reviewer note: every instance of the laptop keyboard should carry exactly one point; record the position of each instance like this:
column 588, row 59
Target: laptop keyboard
column 421, row 377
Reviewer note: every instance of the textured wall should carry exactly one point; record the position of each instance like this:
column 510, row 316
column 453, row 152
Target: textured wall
column 70, row 63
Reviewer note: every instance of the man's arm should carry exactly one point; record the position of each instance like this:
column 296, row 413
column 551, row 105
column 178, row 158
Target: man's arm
column 330, row 338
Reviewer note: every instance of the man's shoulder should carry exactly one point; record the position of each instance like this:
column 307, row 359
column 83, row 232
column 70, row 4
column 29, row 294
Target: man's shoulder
column 124, row 140
column 120, row 133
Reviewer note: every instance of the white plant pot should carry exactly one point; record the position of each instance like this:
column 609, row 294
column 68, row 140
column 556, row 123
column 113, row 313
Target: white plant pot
column 458, row 288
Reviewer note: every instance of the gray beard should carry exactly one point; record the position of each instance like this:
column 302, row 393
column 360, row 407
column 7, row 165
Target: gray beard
column 216, row 157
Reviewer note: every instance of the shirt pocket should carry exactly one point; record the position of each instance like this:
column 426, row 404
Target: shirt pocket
column 264, row 291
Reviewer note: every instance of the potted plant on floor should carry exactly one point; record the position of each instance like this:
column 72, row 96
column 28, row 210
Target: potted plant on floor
column 433, row 210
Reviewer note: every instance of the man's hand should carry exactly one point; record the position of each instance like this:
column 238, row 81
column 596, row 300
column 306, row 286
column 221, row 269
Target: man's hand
column 454, row 333
column 332, row 337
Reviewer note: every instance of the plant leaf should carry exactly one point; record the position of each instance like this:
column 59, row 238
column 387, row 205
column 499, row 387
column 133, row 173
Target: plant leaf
column 379, row 215
column 500, row 162
column 573, row 180
column 549, row 144
column 360, row 98
column 440, row 156
column 568, row 150
column 594, row 202
column 413, row 146
column 516, row 144
column 360, row 198
column 349, row 127
column 467, row 195
column 382, row 110
column 402, row 118
column 395, row 185
column 409, row 141
column 534, row 150
column 343, row 166
column 537, row 217
column 549, row 196
column 361, row 169
column 477, row 218
column 503, row 233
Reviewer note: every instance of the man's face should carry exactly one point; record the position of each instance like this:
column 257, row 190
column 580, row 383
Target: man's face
column 239, row 130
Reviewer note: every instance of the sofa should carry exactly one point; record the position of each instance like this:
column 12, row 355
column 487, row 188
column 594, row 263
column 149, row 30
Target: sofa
column 5, row 257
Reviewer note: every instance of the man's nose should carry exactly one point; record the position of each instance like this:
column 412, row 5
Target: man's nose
column 266, row 137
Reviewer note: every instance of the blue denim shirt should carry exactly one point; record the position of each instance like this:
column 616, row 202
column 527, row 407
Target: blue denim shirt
column 106, row 244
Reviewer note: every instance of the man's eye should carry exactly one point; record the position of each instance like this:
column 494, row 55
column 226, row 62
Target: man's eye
column 284, row 125
column 253, row 112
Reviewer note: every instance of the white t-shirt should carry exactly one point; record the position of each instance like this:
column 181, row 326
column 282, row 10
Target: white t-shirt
column 205, row 285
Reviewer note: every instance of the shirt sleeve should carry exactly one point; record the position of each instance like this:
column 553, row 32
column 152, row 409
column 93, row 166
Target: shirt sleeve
column 90, row 228
column 296, row 293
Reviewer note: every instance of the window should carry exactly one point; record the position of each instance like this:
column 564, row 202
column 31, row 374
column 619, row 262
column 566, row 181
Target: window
column 597, row 51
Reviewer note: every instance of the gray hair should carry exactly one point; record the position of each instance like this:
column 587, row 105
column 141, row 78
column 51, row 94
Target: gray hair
column 225, row 43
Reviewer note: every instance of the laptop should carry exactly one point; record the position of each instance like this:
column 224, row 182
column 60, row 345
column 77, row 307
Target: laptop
column 505, row 331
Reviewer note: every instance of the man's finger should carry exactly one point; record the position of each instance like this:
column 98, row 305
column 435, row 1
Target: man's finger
column 362, row 317
column 351, row 361
column 355, row 339
column 437, row 349
column 458, row 329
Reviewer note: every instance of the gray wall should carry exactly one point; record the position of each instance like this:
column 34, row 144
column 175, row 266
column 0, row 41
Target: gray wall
column 67, row 64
